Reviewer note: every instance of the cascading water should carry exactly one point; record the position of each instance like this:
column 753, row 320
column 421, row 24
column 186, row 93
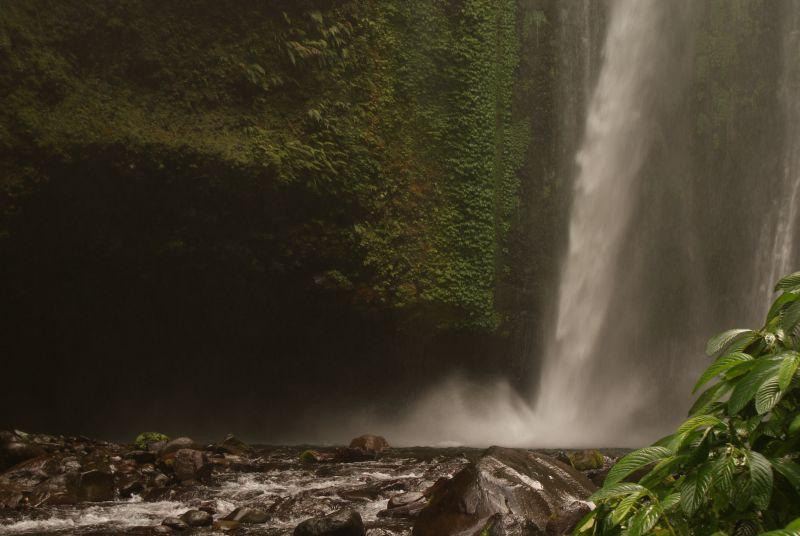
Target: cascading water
column 618, row 137
column 777, row 250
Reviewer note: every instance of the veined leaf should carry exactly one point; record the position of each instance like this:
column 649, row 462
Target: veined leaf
column 721, row 365
column 787, row 368
column 644, row 520
column 790, row 316
column 788, row 469
column 671, row 501
column 789, row 282
column 633, row 461
column 722, row 473
column 722, row 340
column 616, row 490
column 662, row 470
column 749, row 385
column 761, row 479
column 699, row 421
column 694, row 489
column 709, row 396
column 624, row 507
column 768, row 395
column 778, row 304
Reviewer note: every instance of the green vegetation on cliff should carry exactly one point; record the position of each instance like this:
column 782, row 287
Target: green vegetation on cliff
column 354, row 148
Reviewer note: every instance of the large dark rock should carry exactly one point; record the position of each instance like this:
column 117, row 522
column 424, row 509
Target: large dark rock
column 370, row 444
column 510, row 491
column 564, row 523
column 339, row 523
column 96, row 485
column 14, row 450
column 252, row 516
column 189, row 464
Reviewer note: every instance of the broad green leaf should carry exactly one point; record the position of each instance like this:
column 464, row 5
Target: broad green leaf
column 699, row 421
column 633, row 461
column 721, row 365
column 782, row 532
column 722, row 473
column 788, row 469
column 722, row 340
column 794, row 525
column 586, row 523
column 760, row 479
column 789, row 282
column 709, row 397
column 790, row 316
column 663, row 469
column 768, row 395
column 778, row 304
column 616, row 490
column 787, row 368
column 671, row 501
column 624, row 507
column 794, row 426
column 694, row 489
column 644, row 520
column 748, row 386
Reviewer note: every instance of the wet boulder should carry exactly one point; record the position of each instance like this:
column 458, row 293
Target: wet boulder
column 408, row 504
column 252, row 516
column 316, row 456
column 235, row 446
column 177, row 444
column 175, row 523
column 197, row 518
column 96, row 485
column 140, row 456
column 510, row 491
column 339, row 523
column 565, row 521
column 16, row 449
column 189, row 464
column 370, row 444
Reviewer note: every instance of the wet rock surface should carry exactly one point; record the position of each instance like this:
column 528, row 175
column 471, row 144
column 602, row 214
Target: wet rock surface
column 515, row 490
column 83, row 486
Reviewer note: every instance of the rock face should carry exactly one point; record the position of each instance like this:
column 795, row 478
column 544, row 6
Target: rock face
column 177, row 444
column 15, row 449
column 340, row 523
column 96, row 485
column 509, row 491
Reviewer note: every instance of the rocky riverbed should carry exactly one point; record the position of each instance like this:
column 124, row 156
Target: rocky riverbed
column 59, row 485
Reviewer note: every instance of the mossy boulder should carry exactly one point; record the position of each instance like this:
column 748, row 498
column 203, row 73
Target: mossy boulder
column 586, row 460
column 145, row 439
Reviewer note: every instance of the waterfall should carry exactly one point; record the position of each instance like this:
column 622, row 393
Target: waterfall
column 619, row 133
column 777, row 252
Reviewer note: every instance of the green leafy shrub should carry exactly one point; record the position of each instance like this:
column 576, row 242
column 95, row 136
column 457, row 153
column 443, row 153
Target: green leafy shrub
column 732, row 467
column 144, row 439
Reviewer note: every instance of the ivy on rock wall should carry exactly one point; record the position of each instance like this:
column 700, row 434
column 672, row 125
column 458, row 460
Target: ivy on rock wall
column 364, row 149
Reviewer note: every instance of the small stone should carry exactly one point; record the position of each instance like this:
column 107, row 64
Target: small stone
column 247, row 515
column 140, row 456
column 162, row 529
column 225, row 525
column 177, row 444
column 339, row 523
column 175, row 523
column 197, row 518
